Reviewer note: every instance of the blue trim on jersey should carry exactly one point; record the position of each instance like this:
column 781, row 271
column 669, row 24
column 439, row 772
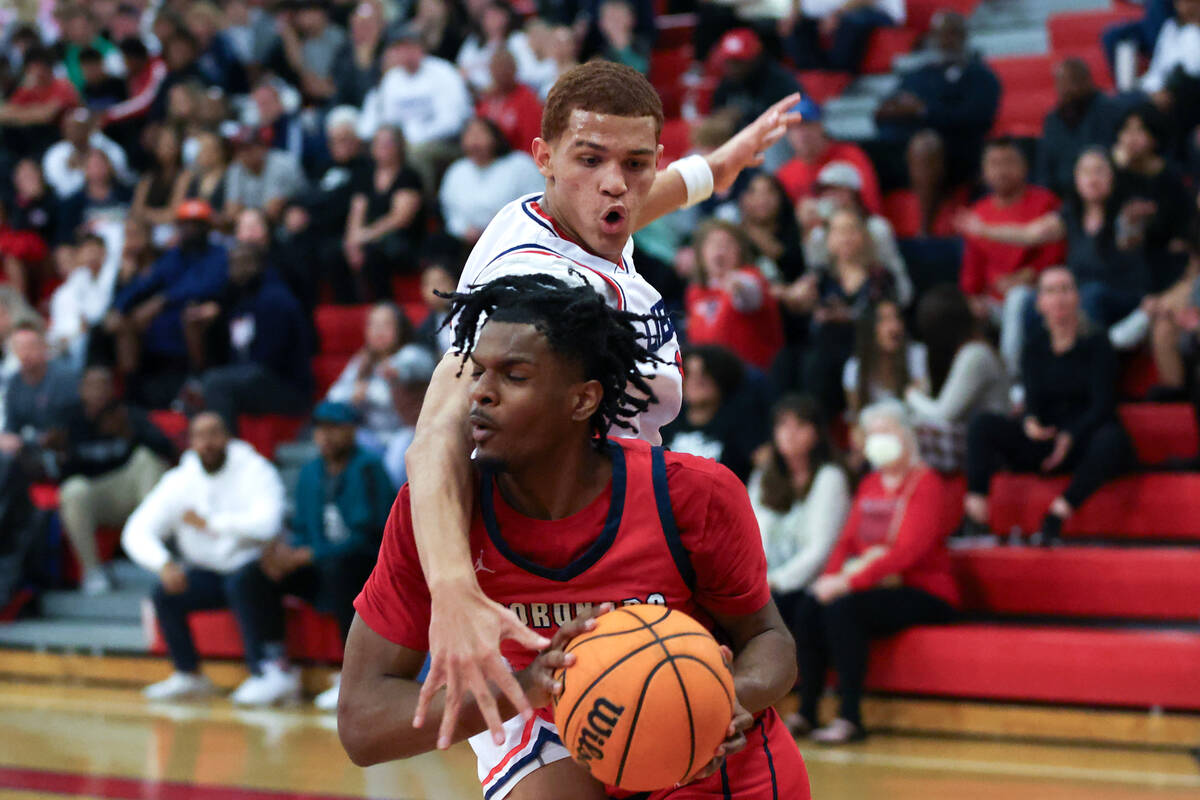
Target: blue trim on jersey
column 666, row 517
column 594, row 553
column 545, row 736
column 607, row 279
column 533, row 216
column 762, row 731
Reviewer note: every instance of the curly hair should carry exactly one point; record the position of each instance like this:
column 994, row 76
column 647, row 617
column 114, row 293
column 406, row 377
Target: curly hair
column 578, row 325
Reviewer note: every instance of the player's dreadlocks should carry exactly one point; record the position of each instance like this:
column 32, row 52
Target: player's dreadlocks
column 578, row 324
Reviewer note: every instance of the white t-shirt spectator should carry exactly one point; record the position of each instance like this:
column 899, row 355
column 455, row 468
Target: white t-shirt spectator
column 918, row 372
column 67, row 179
column 79, row 303
column 798, row 541
column 1177, row 46
column 471, row 195
column 429, row 104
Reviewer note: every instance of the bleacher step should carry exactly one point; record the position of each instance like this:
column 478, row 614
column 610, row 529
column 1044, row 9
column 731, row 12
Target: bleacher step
column 1021, row 41
column 119, row 606
column 75, row 635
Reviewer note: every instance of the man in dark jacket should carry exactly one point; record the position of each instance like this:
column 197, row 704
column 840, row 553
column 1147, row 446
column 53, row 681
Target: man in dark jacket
column 752, row 80
column 1083, row 118
column 112, row 455
column 342, row 502
column 267, row 337
column 150, row 308
column 956, row 94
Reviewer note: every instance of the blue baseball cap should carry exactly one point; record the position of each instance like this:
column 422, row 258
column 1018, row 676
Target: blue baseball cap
column 809, row 109
column 333, row 413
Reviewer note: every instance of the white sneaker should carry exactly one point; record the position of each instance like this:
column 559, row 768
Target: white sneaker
column 96, row 582
column 275, row 685
column 328, row 699
column 180, row 686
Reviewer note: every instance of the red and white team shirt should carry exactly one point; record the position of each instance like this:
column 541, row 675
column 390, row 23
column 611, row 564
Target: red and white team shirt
column 522, row 239
column 671, row 529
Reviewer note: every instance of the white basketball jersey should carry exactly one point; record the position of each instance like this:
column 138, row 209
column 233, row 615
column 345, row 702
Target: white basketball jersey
column 523, row 239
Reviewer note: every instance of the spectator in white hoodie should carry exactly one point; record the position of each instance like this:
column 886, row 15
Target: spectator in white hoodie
column 426, row 98
column 222, row 505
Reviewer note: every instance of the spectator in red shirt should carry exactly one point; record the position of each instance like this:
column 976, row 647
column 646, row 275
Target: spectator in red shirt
column 30, row 118
column 890, row 570
column 998, row 278
column 814, row 149
column 931, row 204
column 730, row 302
column 512, row 106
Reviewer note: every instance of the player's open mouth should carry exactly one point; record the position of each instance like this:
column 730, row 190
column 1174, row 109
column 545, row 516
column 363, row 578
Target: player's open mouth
column 482, row 427
column 613, row 220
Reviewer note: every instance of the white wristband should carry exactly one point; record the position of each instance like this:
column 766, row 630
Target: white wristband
column 697, row 177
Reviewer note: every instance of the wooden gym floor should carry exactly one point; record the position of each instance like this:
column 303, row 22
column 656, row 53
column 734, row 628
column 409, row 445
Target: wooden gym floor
column 59, row 740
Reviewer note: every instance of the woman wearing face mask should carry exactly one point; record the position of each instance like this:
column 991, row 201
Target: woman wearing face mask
column 730, row 302
column 1070, row 374
column 890, row 570
column 801, row 497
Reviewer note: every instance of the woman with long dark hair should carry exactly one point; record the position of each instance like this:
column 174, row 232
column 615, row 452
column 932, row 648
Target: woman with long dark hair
column 801, row 497
column 966, row 376
column 885, row 362
column 767, row 219
column 163, row 186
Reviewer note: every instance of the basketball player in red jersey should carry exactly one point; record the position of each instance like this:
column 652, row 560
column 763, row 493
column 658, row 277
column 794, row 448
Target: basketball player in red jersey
column 599, row 153
column 566, row 519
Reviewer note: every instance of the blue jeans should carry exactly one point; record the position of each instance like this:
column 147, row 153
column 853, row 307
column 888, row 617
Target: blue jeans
column 1143, row 32
column 210, row 591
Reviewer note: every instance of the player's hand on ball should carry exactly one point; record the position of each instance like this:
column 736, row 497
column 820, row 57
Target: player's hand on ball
column 735, row 736
column 465, row 632
column 539, row 679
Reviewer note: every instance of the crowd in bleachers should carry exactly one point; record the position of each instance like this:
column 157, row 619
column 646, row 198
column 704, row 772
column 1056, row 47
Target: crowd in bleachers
column 200, row 199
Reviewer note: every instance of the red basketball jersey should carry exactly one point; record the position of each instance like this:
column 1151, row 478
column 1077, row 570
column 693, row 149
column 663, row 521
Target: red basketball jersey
column 638, row 557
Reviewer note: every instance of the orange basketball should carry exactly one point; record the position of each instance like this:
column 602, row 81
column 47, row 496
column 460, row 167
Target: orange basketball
column 648, row 699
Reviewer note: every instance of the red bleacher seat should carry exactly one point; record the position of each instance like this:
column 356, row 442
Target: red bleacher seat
column 1023, row 113
column 822, row 85
column 44, row 496
column 667, row 66
column 919, row 13
column 1130, row 668
column 676, row 140
column 1139, row 375
column 885, row 45
column 1155, row 506
column 674, row 30
column 340, row 328
column 1078, row 30
column 266, row 431
column 1118, row 583
column 1161, row 431
column 326, row 368
column 406, row 288
column 311, row 635
column 1027, row 86
column 415, row 311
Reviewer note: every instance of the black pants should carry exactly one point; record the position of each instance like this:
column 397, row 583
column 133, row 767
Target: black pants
column 208, row 591
column 330, row 584
column 839, row 633
column 249, row 388
column 996, row 442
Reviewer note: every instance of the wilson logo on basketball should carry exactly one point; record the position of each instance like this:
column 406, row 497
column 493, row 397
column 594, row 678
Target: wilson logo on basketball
column 601, row 721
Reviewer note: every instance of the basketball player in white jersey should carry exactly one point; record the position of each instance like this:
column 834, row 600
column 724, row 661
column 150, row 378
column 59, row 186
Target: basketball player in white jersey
column 599, row 153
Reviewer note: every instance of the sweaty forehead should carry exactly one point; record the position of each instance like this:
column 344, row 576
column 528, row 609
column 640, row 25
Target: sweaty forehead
column 612, row 132
column 510, row 341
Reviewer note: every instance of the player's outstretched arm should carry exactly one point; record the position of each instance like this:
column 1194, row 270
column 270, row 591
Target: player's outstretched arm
column 466, row 628
column 744, row 150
